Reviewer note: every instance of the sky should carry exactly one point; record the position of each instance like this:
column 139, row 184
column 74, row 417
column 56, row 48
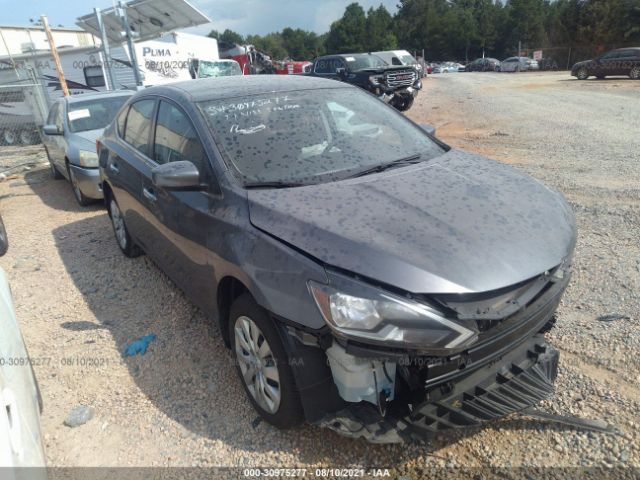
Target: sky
column 243, row 16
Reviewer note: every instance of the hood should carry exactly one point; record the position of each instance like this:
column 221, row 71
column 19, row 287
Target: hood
column 459, row 223
column 85, row 140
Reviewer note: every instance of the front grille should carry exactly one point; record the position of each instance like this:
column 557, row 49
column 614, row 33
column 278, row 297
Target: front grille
column 402, row 78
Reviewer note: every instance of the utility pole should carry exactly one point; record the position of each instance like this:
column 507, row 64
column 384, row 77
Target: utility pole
column 519, row 48
column 105, row 48
column 122, row 13
column 56, row 57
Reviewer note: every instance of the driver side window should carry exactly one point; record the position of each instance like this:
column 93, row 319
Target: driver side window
column 176, row 138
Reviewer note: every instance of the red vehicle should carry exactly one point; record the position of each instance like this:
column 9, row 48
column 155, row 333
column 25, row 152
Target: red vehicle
column 291, row 67
column 253, row 61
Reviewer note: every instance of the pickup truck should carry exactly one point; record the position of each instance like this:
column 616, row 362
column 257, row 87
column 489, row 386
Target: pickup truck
column 396, row 85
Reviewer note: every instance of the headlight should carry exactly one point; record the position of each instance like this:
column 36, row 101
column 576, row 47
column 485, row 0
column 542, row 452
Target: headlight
column 88, row 158
column 376, row 79
column 376, row 316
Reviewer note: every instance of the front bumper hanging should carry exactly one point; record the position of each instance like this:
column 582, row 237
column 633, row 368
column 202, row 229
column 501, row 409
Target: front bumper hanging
column 511, row 383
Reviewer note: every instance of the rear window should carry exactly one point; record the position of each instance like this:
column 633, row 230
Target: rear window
column 94, row 114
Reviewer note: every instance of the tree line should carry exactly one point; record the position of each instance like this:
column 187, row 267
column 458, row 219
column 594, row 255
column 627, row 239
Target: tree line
column 462, row 29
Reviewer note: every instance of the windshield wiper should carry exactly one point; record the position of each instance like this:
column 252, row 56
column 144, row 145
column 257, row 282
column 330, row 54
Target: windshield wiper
column 417, row 158
column 274, row 184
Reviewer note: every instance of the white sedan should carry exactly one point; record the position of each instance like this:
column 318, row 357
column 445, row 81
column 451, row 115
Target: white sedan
column 20, row 401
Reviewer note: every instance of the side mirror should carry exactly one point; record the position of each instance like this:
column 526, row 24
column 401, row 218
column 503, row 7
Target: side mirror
column 341, row 71
column 4, row 242
column 51, row 130
column 430, row 129
column 182, row 175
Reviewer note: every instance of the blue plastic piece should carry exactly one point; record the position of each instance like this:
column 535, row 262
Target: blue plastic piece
column 139, row 346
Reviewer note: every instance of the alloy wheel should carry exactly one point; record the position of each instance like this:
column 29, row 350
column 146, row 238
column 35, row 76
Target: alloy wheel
column 635, row 73
column 118, row 224
column 583, row 74
column 257, row 364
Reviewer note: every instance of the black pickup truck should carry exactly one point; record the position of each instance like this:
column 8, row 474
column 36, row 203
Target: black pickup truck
column 396, row 85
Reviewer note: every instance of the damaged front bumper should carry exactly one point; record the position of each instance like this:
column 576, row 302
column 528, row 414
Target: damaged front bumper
column 517, row 380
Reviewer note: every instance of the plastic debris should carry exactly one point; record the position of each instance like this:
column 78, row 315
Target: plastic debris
column 139, row 346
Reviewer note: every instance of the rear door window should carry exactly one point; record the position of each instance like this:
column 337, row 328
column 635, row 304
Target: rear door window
column 176, row 138
column 138, row 128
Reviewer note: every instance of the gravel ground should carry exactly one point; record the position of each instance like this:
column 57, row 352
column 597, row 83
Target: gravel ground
column 81, row 302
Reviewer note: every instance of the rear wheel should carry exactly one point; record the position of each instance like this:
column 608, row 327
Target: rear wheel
column 262, row 364
column 634, row 74
column 123, row 238
column 582, row 74
column 8, row 136
column 27, row 137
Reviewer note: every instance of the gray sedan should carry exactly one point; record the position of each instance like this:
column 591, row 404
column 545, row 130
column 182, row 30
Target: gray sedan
column 69, row 137
column 518, row 64
column 367, row 277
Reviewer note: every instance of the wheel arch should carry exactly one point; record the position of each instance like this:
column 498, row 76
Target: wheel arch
column 229, row 288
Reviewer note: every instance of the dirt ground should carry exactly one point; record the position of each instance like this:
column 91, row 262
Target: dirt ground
column 80, row 303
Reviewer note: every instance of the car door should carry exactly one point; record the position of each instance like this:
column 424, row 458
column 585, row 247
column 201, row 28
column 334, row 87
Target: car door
column 55, row 144
column 179, row 217
column 127, row 162
column 607, row 64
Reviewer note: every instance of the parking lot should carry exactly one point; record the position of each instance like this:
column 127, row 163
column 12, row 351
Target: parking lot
column 81, row 302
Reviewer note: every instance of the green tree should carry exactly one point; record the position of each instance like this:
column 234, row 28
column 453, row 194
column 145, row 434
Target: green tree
column 349, row 33
column 379, row 30
column 227, row 36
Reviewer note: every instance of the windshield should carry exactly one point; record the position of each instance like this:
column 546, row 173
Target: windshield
column 218, row 69
column 408, row 60
column 312, row 136
column 362, row 62
column 93, row 114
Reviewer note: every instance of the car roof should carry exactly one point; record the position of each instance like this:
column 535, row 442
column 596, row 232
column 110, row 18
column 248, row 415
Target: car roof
column 218, row 88
column 94, row 95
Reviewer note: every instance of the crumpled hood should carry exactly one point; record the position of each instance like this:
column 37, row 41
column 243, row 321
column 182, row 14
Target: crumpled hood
column 458, row 223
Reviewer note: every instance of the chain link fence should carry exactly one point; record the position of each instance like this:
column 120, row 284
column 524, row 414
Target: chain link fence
column 23, row 111
column 23, row 106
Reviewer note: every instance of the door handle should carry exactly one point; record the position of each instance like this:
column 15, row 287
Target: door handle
column 114, row 168
column 149, row 194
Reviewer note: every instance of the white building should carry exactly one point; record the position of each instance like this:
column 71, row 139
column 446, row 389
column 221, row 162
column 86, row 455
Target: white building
column 15, row 40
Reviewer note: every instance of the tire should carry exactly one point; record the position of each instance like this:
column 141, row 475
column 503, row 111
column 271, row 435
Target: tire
column 27, row 137
column 634, row 74
column 403, row 103
column 120, row 231
column 82, row 200
column 9, row 137
column 582, row 74
column 55, row 174
column 263, row 369
column 4, row 242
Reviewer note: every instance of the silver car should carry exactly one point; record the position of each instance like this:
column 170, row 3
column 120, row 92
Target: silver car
column 73, row 126
column 518, row 64
column 20, row 401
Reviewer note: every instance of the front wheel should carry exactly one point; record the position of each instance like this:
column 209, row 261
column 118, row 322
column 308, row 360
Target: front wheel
column 82, row 200
column 123, row 238
column 262, row 364
column 634, row 74
column 582, row 74
column 402, row 103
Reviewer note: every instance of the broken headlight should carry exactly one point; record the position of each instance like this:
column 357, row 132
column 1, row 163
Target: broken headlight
column 371, row 315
